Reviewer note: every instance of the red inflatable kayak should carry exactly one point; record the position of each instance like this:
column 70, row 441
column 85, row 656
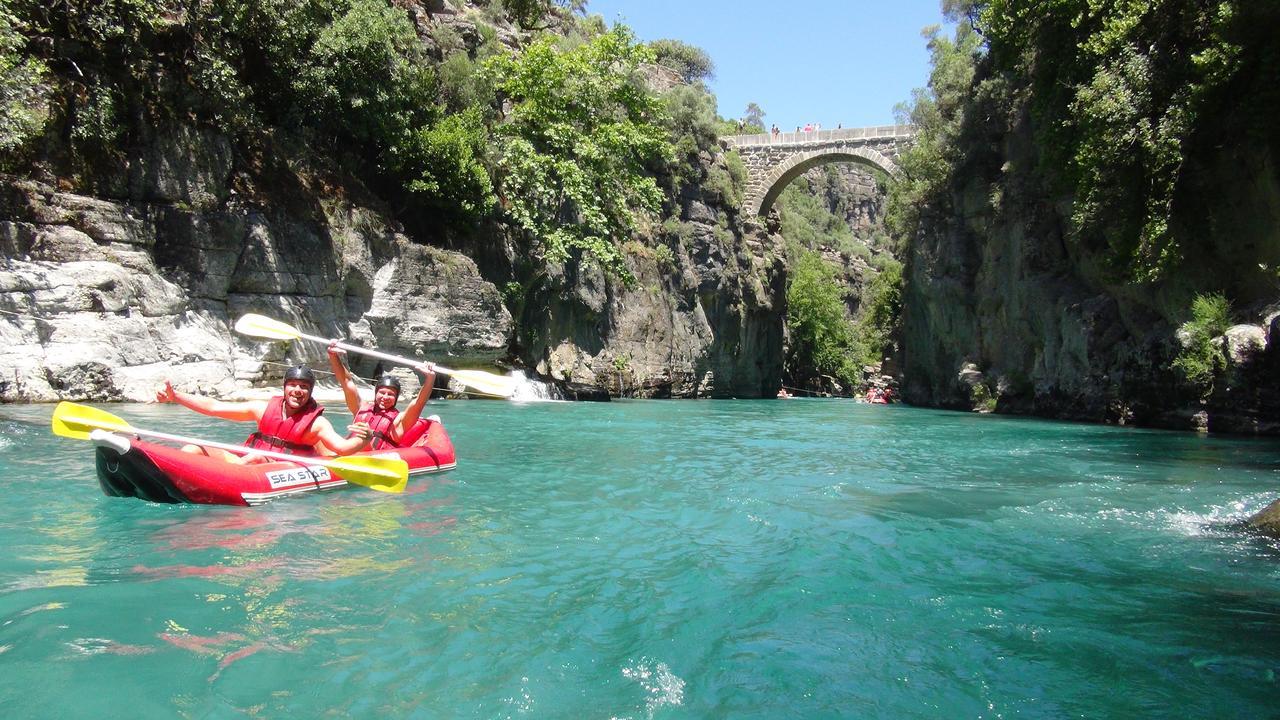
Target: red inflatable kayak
column 132, row 467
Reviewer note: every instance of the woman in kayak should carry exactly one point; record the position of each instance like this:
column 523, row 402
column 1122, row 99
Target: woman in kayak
column 289, row 423
column 387, row 425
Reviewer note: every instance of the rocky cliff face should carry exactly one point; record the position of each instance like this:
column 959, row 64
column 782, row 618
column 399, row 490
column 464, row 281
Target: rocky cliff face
column 103, row 296
column 704, row 319
column 127, row 263
column 1004, row 311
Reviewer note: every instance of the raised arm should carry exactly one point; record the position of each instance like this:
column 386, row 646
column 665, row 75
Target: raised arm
column 248, row 410
column 406, row 419
column 349, row 391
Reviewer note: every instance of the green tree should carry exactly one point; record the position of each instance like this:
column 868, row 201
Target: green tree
column 692, row 64
column 928, row 164
column 822, row 339
column 530, row 14
column 366, row 78
column 693, row 127
column 578, row 140
column 22, row 80
column 450, row 161
column 753, row 118
column 881, row 313
column 1119, row 90
column 808, row 222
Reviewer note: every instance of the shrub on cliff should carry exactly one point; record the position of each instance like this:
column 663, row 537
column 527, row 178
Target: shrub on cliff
column 881, row 313
column 692, row 64
column 923, row 189
column 532, row 14
column 365, row 76
column 575, row 149
column 693, row 125
column 1120, row 90
column 808, row 221
column 1200, row 358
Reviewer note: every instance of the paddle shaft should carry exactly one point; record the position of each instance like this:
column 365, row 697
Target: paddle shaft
column 228, row 447
column 372, row 353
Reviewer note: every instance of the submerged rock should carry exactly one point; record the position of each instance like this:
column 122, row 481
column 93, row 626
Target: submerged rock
column 1267, row 520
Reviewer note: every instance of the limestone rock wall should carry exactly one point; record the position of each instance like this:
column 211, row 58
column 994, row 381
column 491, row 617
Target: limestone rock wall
column 705, row 318
column 103, row 298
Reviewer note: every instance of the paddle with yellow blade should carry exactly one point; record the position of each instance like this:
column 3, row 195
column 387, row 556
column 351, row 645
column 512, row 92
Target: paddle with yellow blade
column 264, row 327
column 385, row 474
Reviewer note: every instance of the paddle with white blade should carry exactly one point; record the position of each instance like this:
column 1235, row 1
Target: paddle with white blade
column 264, row 327
column 385, row 474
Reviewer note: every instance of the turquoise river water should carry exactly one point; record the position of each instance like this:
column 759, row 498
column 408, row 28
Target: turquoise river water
column 660, row 559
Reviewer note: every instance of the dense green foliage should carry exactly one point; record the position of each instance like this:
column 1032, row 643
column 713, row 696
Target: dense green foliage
column 21, row 80
column 694, row 125
column 691, row 64
column 826, row 338
column 821, row 337
column 450, row 159
column 881, row 313
column 574, row 154
column 532, row 13
column 1116, row 94
column 1201, row 358
column 808, row 220
column 1120, row 89
column 923, row 190
column 576, row 144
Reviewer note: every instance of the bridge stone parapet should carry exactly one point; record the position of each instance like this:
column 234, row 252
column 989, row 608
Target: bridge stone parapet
column 773, row 161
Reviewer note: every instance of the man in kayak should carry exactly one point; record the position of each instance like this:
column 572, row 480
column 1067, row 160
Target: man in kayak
column 386, row 424
column 289, row 423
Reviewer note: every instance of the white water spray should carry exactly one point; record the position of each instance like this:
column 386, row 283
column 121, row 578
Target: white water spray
column 531, row 390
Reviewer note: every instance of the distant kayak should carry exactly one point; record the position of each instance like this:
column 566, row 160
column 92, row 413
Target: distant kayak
column 131, row 467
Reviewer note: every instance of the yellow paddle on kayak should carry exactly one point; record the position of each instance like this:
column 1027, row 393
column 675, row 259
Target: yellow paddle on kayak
column 264, row 327
column 385, row 474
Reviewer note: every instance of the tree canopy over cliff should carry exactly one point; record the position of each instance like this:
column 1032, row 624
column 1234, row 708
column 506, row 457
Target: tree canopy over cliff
column 554, row 134
column 1087, row 178
column 1121, row 97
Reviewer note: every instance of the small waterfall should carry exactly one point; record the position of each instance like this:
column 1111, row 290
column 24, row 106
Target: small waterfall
column 532, row 391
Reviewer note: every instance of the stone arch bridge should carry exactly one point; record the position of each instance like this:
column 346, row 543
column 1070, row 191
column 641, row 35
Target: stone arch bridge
column 773, row 161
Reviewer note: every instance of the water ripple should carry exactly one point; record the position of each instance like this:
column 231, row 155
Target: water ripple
column 648, row 560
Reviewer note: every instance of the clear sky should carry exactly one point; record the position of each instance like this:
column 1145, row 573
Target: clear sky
column 824, row 61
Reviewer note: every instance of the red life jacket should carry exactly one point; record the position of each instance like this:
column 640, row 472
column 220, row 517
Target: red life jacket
column 382, row 425
column 285, row 434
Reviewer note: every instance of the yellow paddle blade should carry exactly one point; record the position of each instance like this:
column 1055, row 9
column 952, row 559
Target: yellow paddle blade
column 487, row 383
column 384, row 474
column 264, row 327
column 71, row 420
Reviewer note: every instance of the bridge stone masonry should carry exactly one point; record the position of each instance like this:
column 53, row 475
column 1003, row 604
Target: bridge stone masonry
column 773, row 161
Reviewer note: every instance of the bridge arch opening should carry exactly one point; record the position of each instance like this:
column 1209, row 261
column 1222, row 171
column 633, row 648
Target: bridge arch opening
column 794, row 167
